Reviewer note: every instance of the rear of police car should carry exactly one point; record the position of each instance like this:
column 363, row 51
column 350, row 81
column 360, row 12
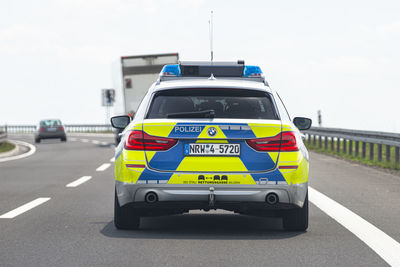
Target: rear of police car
column 211, row 136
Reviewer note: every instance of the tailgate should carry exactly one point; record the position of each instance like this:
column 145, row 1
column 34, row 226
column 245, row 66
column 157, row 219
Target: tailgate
column 212, row 134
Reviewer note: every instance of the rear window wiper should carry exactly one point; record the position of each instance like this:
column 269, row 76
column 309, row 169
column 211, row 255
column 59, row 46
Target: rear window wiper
column 210, row 113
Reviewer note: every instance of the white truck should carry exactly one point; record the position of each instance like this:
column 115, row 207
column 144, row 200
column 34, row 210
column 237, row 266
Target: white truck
column 138, row 74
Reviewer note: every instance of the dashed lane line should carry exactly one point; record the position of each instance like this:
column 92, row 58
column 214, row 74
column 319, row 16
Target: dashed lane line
column 73, row 139
column 112, row 159
column 103, row 167
column 85, row 140
column 95, row 142
column 79, row 181
column 385, row 246
column 24, row 208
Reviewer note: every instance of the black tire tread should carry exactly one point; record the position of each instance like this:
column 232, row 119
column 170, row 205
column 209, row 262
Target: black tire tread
column 124, row 217
column 297, row 219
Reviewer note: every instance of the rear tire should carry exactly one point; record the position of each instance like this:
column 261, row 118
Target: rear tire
column 63, row 139
column 124, row 217
column 37, row 140
column 297, row 219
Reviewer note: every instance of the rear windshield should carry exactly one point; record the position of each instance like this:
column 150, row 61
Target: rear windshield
column 212, row 103
column 50, row 123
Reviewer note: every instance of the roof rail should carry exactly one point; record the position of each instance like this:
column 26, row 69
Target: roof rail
column 236, row 70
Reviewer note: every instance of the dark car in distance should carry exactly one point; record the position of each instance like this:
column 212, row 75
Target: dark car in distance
column 50, row 129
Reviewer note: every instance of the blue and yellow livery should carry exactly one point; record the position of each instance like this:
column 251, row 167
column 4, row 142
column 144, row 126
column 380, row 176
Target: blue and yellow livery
column 200, row 142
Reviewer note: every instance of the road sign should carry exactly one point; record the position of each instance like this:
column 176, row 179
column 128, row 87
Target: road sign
column 107, row 97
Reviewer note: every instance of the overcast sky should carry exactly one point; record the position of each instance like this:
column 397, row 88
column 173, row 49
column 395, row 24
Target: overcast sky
column 341, row 57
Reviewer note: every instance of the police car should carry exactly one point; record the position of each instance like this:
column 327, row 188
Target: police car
column 211, row 135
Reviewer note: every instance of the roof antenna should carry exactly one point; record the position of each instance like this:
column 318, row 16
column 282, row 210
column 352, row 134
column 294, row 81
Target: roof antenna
column 210, row 24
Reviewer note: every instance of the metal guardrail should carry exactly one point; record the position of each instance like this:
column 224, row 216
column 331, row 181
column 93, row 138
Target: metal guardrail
column 353, row 140
column 70, row 128
column 3, row 134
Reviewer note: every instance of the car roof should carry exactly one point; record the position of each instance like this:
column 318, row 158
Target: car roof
column 210, row 83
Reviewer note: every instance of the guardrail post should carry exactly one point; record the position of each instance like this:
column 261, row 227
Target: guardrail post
column 326, row 143
column 379, row 152
column 397, row 155
column 388, row 148
column 320, row 141
column 351, row 147
column 332, row 144
column 344, row 145
column 364, row 149
column 314, row 139
column 371, row 151
column 357, row 148
column 338, row 145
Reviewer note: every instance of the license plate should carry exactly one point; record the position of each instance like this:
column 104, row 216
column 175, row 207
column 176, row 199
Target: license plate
column 51, row 129
column 212, row 149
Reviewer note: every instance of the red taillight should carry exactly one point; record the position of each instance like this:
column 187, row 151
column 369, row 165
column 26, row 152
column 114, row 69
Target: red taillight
column 61, row 128
column 285, row 141
column 42, row 129
column 139, row 140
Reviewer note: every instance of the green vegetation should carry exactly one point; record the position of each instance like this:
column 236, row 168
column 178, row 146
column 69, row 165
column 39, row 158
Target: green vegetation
column 347, row 150
column 6, row 146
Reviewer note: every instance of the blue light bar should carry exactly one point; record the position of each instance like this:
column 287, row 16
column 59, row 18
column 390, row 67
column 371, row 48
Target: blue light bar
column 252, row 71
column 171, row 70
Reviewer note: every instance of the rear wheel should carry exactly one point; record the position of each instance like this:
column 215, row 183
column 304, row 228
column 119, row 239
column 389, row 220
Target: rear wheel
column 124, row 217
column 297, row 219
column 63, row 139
column 37, row 140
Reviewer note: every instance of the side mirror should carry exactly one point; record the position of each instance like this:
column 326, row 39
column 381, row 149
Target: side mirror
column 120, row 122
column 302, row 123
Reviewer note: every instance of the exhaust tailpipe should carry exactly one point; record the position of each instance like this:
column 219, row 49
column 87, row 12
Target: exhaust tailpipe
column 272, row 198
column 151, row 197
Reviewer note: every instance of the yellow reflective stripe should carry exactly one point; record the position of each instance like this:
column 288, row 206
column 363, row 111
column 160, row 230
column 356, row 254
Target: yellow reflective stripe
column 150, row 155
column 124, row 174
column 298, row 176
column 220, row 134
column 158, row 129
column 206, row 163
column 265, row 130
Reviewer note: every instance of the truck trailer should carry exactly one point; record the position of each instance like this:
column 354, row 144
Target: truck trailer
column 136, row 75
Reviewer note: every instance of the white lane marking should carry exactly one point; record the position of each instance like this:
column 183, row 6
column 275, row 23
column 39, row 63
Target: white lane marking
column 32, row 150
column 112, row 159
column 72, row 139
column 84, row 140
column 377, row 240
column 104, row 143
column 95, row 142
column 24, row 208
column 103, row 167
column 79, row 181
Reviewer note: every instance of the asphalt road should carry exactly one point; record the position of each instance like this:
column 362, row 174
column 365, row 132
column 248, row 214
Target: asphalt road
column 74, row 227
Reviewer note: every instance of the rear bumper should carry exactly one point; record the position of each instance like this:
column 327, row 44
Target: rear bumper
column 231, row 197
column 45, row 135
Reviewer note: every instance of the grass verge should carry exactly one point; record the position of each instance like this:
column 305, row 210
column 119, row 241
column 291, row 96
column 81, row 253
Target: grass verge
column 6, row 146
column 344, row 152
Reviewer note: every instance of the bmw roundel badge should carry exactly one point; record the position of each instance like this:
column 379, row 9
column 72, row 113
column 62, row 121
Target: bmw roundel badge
column 212, row 131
